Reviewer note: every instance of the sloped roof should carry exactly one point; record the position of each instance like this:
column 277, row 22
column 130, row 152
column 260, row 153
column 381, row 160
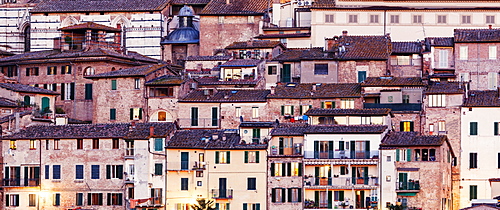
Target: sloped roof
column 257, row 124
column 346, row 129
column 215, row 81
column 242, row 63
column 482, row 98
column 98, row 5
column 227, row 96
column 323, row 3
column 131, row 72
column 208, row 58
column 365, row 47
column 477, row 35
column 445, row 88
column 26, row 89
column 5, row 102
column 116, row 130
column 254, row 44
column 289, row 129
column 298, row 54
column 209, row 139
column 188, row 2
column 323, row 90
column 166, row 80
column 412, row 139
column 439, row 41
column 89, row 25
column 235, row 7
column 406, row 47
column 350, row 112
column 294, row 35
column 392, row 81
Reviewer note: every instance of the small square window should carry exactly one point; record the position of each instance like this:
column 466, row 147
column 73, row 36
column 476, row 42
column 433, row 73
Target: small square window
column 199, row 183
column 328, row 18
column 417, row 18
column 353, row 18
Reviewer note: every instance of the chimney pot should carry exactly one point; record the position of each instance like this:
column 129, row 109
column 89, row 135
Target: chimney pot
column 151, row 131
column 490, row 26
column 344, row 33
column 273, row 90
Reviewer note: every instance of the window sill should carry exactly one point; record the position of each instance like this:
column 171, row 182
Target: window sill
column 78, row 181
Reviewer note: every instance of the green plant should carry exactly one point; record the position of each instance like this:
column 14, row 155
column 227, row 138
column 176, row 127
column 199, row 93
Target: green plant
column 203, row 204
column 60, row 110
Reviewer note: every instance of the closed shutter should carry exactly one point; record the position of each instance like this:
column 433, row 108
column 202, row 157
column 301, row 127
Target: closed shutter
column 397, row 155
column 108, row 171
column 280, row 146
column 215, row 116
column 341, row 145
column 473, row 128
column 245, row 206
column 72, row 91
column 408, row 155
column 246, row 156
column 272, row 169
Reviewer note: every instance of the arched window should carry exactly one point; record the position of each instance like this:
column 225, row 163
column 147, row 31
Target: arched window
column 89, row 71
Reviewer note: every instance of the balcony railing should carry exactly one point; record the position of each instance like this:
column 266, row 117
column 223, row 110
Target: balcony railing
column 199, row 166
column 15, row 182
column 341, row 181
column 395, row 106
column 410, row 185
column 372, row 154
column 222, row 193
column 297, row 150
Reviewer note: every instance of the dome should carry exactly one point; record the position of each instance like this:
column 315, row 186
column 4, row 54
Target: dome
column 186, row 11
column 186, row 35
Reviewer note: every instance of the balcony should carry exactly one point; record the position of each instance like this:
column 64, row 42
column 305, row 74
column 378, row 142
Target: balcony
column 409, row 186
column 222, row 193
column 296, row 151
column 395, row 106
column 341, row 182
column 199, row 166
column 16, row 182
column 346, row 154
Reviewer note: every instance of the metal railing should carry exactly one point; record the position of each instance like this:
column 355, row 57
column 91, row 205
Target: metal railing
column 346, row 154
column 222, row 193
column 33, row 182
column 341, row 181
column 409, row 185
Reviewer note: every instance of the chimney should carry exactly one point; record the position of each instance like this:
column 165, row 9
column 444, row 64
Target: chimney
column 490, row 26
column 344, row 33
column 228, row 1
column 132, row 126
column 273, row 90
column 151, row 131
column 17, row 115
column 314, row 87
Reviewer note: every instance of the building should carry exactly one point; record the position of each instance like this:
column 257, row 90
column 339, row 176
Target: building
column 15, row 31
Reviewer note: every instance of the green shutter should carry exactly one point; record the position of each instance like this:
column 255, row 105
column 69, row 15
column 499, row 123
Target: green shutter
column 322, row 105
column 109, row 199
column 280, row 146
column 397, row 155
column 283, row 169
column 341, row 195
column 291, row 110
column 495, row 128
column 401, row 126
column 113, row 84
column 131, row 113
column 353, row 149
column 245, row 206
column 300, row 110
column 217, row 206
column 330, row 195
column 365, row 175
column 227, row 206
column 228, row 157
column 472, row 192
column 283, row 198
column 316, row 171
column 282, row 110
column 300, row 169
column 108, row 171
column 246, row 156
column 216, row 157
column 411, row 126
column 408, row 155
column 316, row 149
column 353, row 174
column 473, row 128
column 330, row 149
column 63, row 89
column 257, row 157
column 272, row 169
column 257, row 206
column 367, row 149
column 112, row 114
column 341, row 145
column 215, row 116
column 316, row 198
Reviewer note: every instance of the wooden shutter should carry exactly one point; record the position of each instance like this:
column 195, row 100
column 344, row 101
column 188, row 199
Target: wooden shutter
column 273, row 195
column 228, row 157
column 245, row 206
column 140, row 113
column 283, row 193
column 397, row 155
column 300, row 169
column 108, row 171
column 119, row 171
column 291, row 110
column 282, row 110
column 257, row 158
column 289, row 169
column 217, row 157
column 246, row 156
column 63, row 90
column 495, row 128
column 280, row 146
column 408, row 155
column 272, row 169
column 473, row 128
column 330, row 195
column 72, row 91
column 131, row 113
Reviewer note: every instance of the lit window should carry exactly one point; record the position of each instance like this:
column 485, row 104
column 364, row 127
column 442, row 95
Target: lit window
column 222, row 157
column 89, row 71
column 13, row 145
column 32, row 144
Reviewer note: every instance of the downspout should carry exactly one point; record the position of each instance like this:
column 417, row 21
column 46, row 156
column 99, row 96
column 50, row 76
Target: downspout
column 385, row 21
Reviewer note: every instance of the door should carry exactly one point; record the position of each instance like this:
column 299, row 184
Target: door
column 222, row 188
column 27, row 101
column 184, row 160
column 286, row 73
column 45, row 104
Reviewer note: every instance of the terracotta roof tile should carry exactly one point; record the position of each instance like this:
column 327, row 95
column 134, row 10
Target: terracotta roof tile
column 406, row 47
column 209, row 139
column 236, row 7
column 347, row 129
column 215, row 81
column 166, row 80
column 344, row 112
column 254, row 44
column 439, row 41
column 477, row 35
column 130, row 72
column 298, row 54
column 484, row 98
column 323, row 90
column 6, row 53
column 5, row 102
column 392, row 81
column 227, row 96
column 445, row 88
column 208, row 58
column 323, row 4
column 188, row 2
column 90, row 25
column 257, row 124
column 242, row 63
column 8, row 118
column 412, row 139
column 26, row 89
column 294, row 35
column 365, row 47
column 99, row 5
column 290, row 129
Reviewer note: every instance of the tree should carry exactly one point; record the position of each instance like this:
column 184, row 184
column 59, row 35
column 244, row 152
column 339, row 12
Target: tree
column 203, row 204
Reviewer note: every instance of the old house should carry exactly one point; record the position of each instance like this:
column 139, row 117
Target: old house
column 215, row 164
column 204, row 66
column 15, row 30
column 406, row 59
column 416, row 171
column 439, row 60
column 295, row 65
column 40, row 100
column 237, row 73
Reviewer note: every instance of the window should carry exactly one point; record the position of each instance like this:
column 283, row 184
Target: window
column 441, row 126
column 88, row 91
column 221, row 20
column 79, row 143
column 425, row 154
column 251, row 156
column 347, row 103
column 472, row 160
column 94, row 199
column 222, row 157
column 47, row 171
column 272, row 70
column 492, row 52
column 437, row 100
column 320, row 69
column 79, row 172
column 13, row 145
column 466, row 19
column 353, row 18
column 286, row 110
column 131, row 193
column 237, row 111
column 89, row 71
column 115, row 199
column 417, row 18
column 248, row 206
column 135, row 113
column 158, row 144
column 95, row 143
column 441, row 19
column 114, row 171
column 112, row 114
column 328, row 18
column 33, row 71
column 66, row 69
column 79, row 199
column 94, row 172
column 294, row 195
column 11, row 199
column 373, row 18
column 492, row 80
column 51, row 70
column 56, row 172
column 185, row 160
column 250, row 19
column 294, row 169
column 56, row 144
column 328, row 105
column 137, row 83
column 32, row 200
column 394, row 18
column 277, row 169
column 490, row 19
column 184, row 183
column 406, row 126
column 131, row 169
column 473, row 128
column 32, row 144
column 215, row 116
column 390, row 98
column 130, row 148
column 67, row 91
column 403, row 155
column 57, row 199
column 251, row 183
column 464, row 52
column 161, row 92
column 278, row 195
column 194, row 116
column 158, row 169
column 255, row 112
column 472, row 192
column 115, row 143
column 361, row 76
column 113, row 84
column 401, row 60
column 406, row 99
column 304, row 109
column 443, row 59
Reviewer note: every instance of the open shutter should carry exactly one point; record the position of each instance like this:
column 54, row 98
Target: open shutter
column 273, row 195
column 228, row 157
column 408, row 155
column 365, row 175
column 26, row 175
column 316, row 198
column 280, row 146
column 411, row 126
column 245, row 206
column 341, row 145
column 367, row 149
column 316, row 149
column 283, row 198
column 272, row 169
column 131, row 113
column 495, row 128
column 257, row 157
column 322, row 105
column 283, row 169
column 108, row 171
column 140, row 113
column 109, row 199
column 282, row 110
column 353, row 149
column 291, row 110
column 341, row 195
column 119, row 171
column 330, row 149
column 63, row 90
column 289, row 169
column 397, row 155
column 89, row 199
column 300, row 169
column 216, row 157
column 72, row 91
column 257, row 206
column 353, row 175
column 289, row 194
column 246, row 156
column 401, row 126
column 330, row 195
